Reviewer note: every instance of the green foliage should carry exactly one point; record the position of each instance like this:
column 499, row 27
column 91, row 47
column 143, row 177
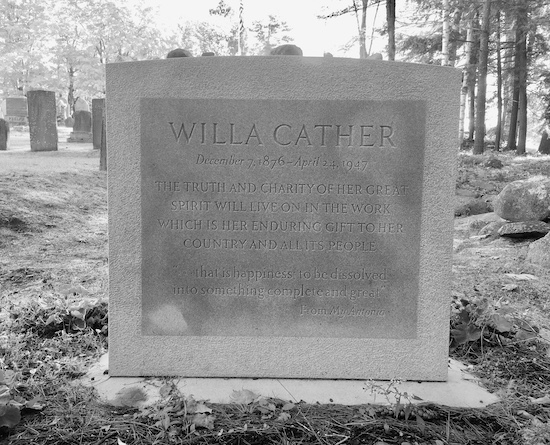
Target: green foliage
column 269, row 34
column 481, row 321
column 48, row 316
column 401, row 403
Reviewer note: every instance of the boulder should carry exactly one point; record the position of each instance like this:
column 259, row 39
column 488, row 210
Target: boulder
column 524, row 229
column 539, row 252
column 524, row 200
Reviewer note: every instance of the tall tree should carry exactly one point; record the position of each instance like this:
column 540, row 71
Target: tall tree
column 390, row 19
column 466, row 76
column 362, row 28
column 270, row 34
column 522, row 105
column 479, row 140
column 498, row 133
column 445, row 34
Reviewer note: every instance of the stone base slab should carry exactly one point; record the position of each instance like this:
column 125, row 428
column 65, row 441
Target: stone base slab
column 80, row 136
column 461, row 390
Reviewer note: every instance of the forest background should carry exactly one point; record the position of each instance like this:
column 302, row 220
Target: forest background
column 502, row 47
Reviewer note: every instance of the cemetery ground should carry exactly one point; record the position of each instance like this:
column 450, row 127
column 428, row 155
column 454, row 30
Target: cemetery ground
column 53, row 326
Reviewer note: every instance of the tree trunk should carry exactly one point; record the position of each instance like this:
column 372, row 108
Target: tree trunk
column 522, row 59
column 390, row 18
column 446, row 35
column 512, row 133
column 482, row 79
column 363, row 31
column 465, row 81
column 499, row 87
column 70, row 94
column 472, row 67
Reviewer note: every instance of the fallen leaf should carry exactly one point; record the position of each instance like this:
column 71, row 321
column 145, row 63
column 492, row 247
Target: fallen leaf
column 421, row 424
column 501, row 323
column 288, row 406
column 244, row 396
column 164, row 391
column 545, row 400
column 130, row 397
column 9, row 416
column 120, row 442
column 283, row 417
column 203, row 421
column 36, row 404
column 521, row 276
column 510, row 287
column 201, row 408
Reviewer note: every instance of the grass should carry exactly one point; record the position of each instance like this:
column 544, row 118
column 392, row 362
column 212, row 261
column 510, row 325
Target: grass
column 53, row 325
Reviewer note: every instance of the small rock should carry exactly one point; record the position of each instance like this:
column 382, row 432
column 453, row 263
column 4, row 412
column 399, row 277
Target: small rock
column 493, row 163
column 287, row 50
column 474, row 207
column 477, row 225
column 179, row 52
column 491, row 228
column 539, row 252
column 524, row 200
column 524, row 229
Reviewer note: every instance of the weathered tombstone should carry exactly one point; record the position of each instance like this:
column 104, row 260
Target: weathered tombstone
column 98, row 105
column 103, row 147
column 42, row 120
column 544, row 146
column 82, row 128
column 16, row 110
column 80, row 105
column 280, row 217
column 4, row 134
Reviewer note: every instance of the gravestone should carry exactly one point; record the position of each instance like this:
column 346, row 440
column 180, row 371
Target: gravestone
column 98, row 105
column 82, row 127
column 103, row 147
column 16, row 110
column 42, row 120
column 81, row 105
column 280, row 217
column 4, row 134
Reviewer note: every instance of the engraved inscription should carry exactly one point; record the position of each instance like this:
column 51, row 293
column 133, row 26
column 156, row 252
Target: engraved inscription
column 282, row 218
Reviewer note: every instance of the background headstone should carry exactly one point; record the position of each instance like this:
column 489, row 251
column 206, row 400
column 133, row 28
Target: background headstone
column 4, row 134
column 82, row 127
column 42, row 120
column 544, row 146
column 204, row 281
column 98, row 106
column 16, row 110
column 103, row 147
column 81, row 105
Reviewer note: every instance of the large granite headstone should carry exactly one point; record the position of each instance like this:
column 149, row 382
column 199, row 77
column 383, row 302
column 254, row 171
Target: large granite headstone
column 42, row 120
column 280, row 217
column 82, row 127
column 98, row 105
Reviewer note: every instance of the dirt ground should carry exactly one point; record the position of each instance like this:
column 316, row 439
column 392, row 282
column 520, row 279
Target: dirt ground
column 69, row 157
